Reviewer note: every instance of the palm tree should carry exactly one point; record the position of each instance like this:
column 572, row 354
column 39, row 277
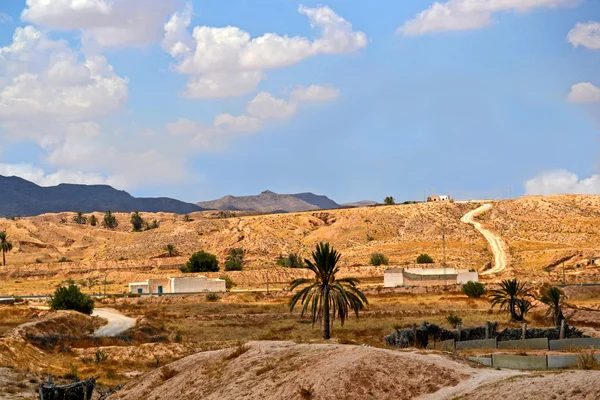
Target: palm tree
column 327, row 297
column 80, row 218
column 110, row 221
column 554, row 299
column 389, row 201
column 171, row 250
column 512, row 297
column 93, row 220
column 5, row 245
column 136, row 221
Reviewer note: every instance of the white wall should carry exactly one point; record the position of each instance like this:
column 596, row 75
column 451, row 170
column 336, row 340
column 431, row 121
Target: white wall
column 464, row 277
column 393, row 279
column 133, row 288
column 189, row 284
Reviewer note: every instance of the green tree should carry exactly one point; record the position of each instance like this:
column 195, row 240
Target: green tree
column 553, row 298
column 71, row 298
column 79, row 218
column 425, row 259
column 327, row 297
column 137, row 222
column 229, row 284
column 389, row 201
column 293, row 260
column 513, row 297
column 110, row 221
column 379, row 259
column 473, row 289
column 201, row 261
column 171, row 250
column 5, row 245
column 234, row 260
column 93, row 220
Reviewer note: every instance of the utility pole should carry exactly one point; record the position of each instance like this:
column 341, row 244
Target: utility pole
column 564, row 279
column 267, row 282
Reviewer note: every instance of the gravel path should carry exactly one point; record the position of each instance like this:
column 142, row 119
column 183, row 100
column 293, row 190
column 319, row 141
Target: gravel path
column 117, row 322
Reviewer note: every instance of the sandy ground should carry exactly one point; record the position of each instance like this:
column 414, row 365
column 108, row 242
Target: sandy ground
column 496, row 244
column 117, row 322
column 286, row 370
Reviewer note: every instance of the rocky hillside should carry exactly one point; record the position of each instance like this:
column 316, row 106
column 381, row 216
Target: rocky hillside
column 271, row 202
column 23, row 198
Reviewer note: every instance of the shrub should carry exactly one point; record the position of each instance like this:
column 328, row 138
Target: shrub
column 234, row 260
column 100, row 356
column 473, row 289
column 212, row 297
column 178, row 338
column 73, row 373
column 379, row 259
column 187, row 218
column 425, row 259
column 389, row 201
column 137, row 222
column 110, row 221
column 39, row 260
column 587, row 360
column 64, row 259
column 71, row 298
column 93, row 220
column 293, row 260
column 201, row 261
column 453, row 319
column 79, row 218
column 229, row 284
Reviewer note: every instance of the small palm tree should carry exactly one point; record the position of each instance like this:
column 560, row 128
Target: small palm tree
column 93, row 220
column 553, row 298
column 327, row 297
column 512, row 297
column 79, row 218
column 171, row 250
column 137, row 221
column 389, row 201
column 5, row 245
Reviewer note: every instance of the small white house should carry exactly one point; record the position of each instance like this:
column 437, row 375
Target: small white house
column 393, row 277
column 179, row 284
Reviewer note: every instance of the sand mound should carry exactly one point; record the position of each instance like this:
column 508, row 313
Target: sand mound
column 567, row 385
column 67, row 323
column 285, row 370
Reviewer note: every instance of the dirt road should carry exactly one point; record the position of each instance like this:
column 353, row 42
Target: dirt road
column 495, row 241
column 117, row 322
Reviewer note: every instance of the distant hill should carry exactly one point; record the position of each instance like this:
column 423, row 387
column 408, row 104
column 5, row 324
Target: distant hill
column 19, row 197
column 269, row 201
column 362, row 203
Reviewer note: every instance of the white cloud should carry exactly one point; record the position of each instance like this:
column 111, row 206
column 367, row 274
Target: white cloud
column 586, row 35
column 228, row 62
column 105, row 22
column 584, row 92
column 562, row 181
column 266, row 106
column 237, row 124
column 460, row 15
column 39, row 176
column 315, row 93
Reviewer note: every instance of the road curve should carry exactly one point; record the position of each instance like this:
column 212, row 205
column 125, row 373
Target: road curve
column 495, row 241
column 117, row 322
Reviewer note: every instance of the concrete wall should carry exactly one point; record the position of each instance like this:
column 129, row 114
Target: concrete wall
column 133, row 288
column 445, row 345
column 487, row 361
column 393, row 279
column 464, row 277
column 519, row 362
column 566, row 344
column 566, row 361
column 190, row 284
column 476, row 344
column 529, row 344
column 153, row 285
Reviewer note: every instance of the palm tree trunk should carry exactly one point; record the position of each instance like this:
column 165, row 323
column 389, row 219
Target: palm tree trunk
column 3, row 258
column 326, row 324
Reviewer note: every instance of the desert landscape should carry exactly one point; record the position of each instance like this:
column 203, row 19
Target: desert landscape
column 249, row 335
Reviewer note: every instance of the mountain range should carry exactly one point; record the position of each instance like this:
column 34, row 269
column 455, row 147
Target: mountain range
column 19, row 197
column 269, row 201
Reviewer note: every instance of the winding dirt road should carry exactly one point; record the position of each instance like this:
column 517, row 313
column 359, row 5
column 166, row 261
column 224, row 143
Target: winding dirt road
column 495, row 241
column 117, row 322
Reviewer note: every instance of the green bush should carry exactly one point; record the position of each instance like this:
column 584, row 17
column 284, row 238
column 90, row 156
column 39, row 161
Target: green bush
column 425, row 259
column 110, row 221
column 389, row 201
column 201, row 261
column 453, row 319
column 64, row 259
column 212, row 297
column 234, row 260
column 379, row 259
column 473, row 289
column 229, row 284
column 293, row 260
column 71, row 298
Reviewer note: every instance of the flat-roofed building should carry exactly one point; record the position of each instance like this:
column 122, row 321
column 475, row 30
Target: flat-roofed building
column 178, row 284
column 393, row 277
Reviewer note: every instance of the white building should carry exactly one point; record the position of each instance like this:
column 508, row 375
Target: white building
column 393, row 277
column 179, row 284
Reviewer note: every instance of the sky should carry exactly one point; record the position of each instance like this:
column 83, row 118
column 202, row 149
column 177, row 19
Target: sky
column 355, row 100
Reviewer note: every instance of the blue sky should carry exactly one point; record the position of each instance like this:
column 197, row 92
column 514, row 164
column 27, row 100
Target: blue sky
column 358, row 101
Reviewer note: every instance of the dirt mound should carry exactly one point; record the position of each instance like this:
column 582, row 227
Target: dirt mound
column 59, row 323
column 285, row 370
column 569, row 385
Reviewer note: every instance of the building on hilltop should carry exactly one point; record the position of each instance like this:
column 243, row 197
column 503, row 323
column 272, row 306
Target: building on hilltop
column 393, row 277
column 441, row 197
column 179, row 284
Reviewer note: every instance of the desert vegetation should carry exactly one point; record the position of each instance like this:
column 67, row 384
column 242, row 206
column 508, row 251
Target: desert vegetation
column 513, row 297
column 70, row 297
column 201, row 261
column 5, row 246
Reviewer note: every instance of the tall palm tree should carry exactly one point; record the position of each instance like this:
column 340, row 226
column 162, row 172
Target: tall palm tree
column 327, row 297
column 553, row 297
column 5, row 245
column 512, row 297
column 171, row 250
